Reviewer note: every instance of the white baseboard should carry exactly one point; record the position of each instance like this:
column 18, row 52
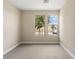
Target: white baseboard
column 39, row 43
column 10, row 49
column 67, row 50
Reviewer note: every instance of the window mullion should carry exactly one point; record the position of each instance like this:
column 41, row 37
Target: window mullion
column 46, row 24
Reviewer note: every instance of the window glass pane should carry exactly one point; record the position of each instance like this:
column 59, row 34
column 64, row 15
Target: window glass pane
column 39, row 24
column 52, row 25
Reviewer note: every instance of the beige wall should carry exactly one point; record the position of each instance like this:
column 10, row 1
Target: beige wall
column 28, row 27
column 11, row 25
column 67, row 26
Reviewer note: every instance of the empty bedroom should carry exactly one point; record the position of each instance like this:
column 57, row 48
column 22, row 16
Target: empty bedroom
column 38, row 29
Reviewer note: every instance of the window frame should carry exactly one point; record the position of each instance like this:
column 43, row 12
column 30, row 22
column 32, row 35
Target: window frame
column 46, row 26
column 57, row 25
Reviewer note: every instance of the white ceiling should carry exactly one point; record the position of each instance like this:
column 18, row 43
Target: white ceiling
column 38, row 4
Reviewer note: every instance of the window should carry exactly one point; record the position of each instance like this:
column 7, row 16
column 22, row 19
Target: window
column 39, row 24
column 52, row 25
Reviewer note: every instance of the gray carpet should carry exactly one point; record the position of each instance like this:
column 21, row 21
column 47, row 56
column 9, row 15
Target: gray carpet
column 38, row 52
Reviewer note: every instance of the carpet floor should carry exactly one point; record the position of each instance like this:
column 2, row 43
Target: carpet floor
column 38, row 52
